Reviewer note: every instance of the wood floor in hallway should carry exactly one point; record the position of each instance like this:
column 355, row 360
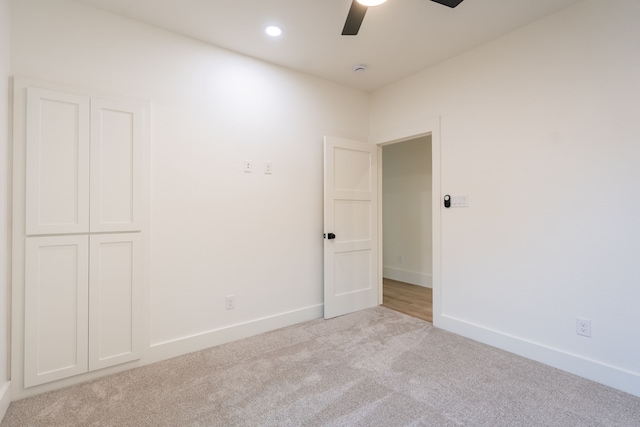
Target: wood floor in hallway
column 416, row 301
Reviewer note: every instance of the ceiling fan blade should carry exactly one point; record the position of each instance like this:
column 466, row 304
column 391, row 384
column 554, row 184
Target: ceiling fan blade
column 354, row 19
column 450, row 3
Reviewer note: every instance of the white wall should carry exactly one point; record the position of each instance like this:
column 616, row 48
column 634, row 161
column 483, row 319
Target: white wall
column 540, row 128
column 406, row 195
column 215, row 230
column 5, row 397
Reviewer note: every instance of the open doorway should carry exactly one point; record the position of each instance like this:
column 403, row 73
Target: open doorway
column 407, row 227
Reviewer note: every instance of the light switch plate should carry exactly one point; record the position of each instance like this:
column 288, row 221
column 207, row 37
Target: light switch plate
column 459, row 201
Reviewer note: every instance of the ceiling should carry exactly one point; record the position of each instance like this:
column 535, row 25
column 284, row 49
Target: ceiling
column 397, row 39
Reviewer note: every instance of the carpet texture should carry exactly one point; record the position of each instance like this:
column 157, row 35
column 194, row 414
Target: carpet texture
column 376, row 367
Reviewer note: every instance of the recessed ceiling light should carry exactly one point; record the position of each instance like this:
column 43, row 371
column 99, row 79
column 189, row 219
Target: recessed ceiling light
column 371, row 2
column 273, row 31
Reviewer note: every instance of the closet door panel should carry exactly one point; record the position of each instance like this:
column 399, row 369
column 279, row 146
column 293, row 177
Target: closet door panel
column 116, row 157
column 57, row 176
column 115, row 298
column 56, row 308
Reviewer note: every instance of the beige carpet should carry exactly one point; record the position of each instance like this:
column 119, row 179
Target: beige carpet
column 376, row 367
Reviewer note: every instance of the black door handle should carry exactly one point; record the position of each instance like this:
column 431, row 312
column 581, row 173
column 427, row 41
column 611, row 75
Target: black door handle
column 330, row 236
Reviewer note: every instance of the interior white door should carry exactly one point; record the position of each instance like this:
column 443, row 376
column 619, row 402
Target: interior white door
column 350, row 226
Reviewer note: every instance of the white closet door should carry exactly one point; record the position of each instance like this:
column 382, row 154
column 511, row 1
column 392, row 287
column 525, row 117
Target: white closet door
column 56, row 308
column 57, row 176
column 116, row 159
column 115, row 299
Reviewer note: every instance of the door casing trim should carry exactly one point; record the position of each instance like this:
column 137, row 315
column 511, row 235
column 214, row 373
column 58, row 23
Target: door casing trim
column 408, row 131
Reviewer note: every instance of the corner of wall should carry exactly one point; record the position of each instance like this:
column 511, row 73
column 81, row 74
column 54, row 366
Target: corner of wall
column 5, row 398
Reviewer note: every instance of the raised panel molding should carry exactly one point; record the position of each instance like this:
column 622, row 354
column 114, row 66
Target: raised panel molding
column 115, row 299
column 57, row 177
column 116, row 173
column 56, row 308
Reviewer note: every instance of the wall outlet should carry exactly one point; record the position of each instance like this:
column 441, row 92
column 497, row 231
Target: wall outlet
column 583, row 327
column 231, row 302
column 268, row 167
column 248, row 166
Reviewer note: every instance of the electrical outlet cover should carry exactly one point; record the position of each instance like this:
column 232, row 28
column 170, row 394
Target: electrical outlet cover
column 583, row 327
column 230, row 302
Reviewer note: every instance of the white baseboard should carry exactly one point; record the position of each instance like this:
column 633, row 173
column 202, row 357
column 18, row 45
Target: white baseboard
column 5, row 398
column 168, row 349
column 407, row 276
column 602, row 373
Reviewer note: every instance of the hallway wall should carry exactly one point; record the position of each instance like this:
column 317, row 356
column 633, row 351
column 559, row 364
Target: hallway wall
column 406, row 194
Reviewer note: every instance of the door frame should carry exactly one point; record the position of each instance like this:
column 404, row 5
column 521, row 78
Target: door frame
column 428, row 126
